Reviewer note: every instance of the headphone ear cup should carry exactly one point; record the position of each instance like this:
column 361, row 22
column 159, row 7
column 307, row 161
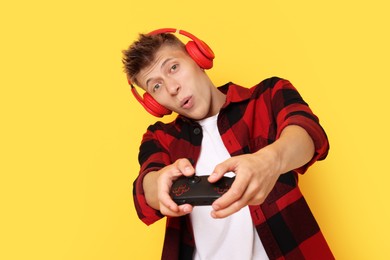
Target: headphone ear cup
column 153, row 107
column 198, row 56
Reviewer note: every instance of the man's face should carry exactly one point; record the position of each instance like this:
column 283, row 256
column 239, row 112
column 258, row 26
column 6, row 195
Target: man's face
column 175, row 81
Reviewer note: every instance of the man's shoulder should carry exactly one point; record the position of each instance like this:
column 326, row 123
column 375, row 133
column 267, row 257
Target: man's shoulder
column 237, row 93
column 159, row 125
column 271, row 80
column 267, row 82
column 173, row 126
column 269, row 85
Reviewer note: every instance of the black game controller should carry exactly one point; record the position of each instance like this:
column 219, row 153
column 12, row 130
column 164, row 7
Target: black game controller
column 197, row 190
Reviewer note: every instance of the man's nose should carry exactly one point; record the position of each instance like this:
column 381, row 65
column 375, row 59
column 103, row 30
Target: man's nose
column 173, row 86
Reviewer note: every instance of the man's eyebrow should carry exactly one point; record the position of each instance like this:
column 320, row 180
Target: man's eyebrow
column 162, row 65
column 165, row 61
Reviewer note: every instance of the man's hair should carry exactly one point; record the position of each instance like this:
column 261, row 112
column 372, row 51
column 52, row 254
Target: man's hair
column 142, row 52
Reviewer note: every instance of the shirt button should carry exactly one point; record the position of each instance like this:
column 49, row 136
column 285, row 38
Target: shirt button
column 197, row 131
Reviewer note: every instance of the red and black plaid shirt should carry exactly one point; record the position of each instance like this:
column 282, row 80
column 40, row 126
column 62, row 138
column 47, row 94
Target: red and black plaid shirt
column 249, row 120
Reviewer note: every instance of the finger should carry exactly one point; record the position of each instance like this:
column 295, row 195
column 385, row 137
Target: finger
column 182, row 210
column 167, row 202
column 234, row 194
column 221, row 169
column 237, row 205
column 233, row 208
column 185, row 167
column 185, row 209
column 164, row 186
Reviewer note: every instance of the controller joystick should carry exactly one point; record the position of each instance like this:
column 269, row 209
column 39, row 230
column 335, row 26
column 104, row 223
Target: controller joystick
column 193, row 179
column 197, row 190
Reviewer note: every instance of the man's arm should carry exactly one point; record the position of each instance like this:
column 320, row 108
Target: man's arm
column 294, row 148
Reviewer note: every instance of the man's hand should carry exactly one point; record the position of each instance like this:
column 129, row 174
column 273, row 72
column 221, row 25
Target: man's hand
column 257, row 173
column 157, row 186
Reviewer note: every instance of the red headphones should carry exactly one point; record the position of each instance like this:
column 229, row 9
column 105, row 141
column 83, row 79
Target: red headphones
column 198, row 50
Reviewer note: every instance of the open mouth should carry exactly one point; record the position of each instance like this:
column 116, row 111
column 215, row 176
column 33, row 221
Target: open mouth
column 186, row 103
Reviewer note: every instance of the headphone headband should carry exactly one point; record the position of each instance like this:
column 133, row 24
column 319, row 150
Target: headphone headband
column 163, row 30
column 203, row 47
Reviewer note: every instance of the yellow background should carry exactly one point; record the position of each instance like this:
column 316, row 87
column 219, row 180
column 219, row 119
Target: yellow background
column 70, row 128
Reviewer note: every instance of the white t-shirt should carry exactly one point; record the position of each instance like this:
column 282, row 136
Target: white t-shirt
column 234, row 237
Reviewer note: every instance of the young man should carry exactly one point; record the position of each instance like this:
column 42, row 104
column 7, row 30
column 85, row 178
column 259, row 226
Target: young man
column 264, row 136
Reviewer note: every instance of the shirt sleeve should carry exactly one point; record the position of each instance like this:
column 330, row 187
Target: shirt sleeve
column 290, row 109
column 152, row 157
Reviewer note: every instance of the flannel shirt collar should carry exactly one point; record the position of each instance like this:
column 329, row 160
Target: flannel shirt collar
column 234, row 94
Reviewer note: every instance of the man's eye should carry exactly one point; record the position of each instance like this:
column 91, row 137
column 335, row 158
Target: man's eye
column 156, row 87
column 174, row 67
